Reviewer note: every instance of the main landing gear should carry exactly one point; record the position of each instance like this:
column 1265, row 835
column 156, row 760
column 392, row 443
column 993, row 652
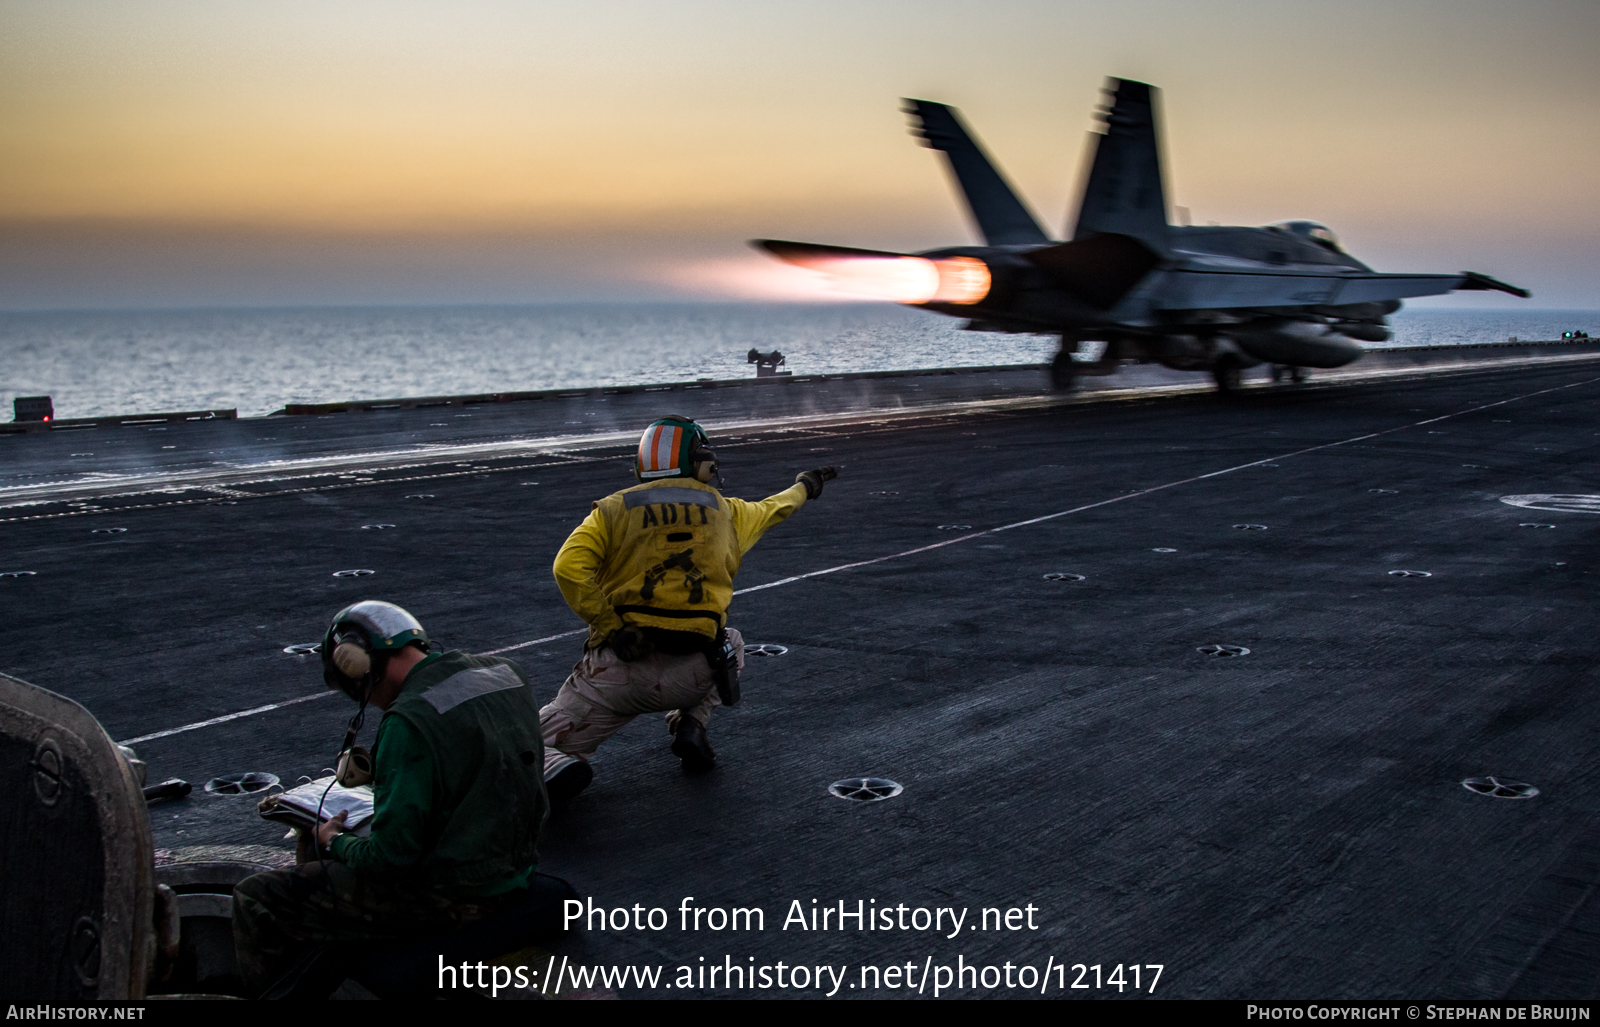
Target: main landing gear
column 1229, row 377
column 1297, row 375
column 1063, row 373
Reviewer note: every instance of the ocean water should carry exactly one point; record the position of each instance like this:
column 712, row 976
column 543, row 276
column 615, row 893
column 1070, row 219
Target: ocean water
column 104, row 363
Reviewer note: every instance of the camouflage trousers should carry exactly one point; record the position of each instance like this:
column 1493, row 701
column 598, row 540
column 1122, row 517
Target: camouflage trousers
column 603, row 694
column 281, row 915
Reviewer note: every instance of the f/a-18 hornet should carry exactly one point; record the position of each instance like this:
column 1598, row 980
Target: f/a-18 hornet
column 1195, row 298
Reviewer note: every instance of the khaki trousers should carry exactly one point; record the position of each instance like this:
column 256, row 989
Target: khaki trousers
column 603, row 693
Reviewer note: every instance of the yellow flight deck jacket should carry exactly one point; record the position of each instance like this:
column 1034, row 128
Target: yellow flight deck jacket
column 664, row 555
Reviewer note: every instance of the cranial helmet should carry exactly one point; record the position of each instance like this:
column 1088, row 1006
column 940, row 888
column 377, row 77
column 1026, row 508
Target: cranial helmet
column 360, row 641
column 671, row 448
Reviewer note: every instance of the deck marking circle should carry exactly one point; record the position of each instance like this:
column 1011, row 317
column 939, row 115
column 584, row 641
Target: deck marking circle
column 375, row 527
column 765, row 649
column 17, row 574
column 1251, row 527
column 1565, row 503
column 1223, row 650
column 360, row 573
column 865, row 789
column 107, row 531
column 1163, row 550
column 241, row 784
column 1494, row 786
column 303, row 648
column 1410, row 574
column 1534, row 524
column 1064, row 576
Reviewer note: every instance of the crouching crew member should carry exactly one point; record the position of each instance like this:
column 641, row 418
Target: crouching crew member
column 651, row 570
column 459, row 795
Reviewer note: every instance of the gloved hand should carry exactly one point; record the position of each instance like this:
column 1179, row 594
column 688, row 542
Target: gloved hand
column 629, row 644
column 813, row 480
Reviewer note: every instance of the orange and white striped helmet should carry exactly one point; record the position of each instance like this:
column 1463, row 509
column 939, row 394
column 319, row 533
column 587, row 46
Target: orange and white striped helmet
column 667, row 448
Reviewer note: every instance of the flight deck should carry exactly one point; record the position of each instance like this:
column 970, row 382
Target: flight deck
column 1198, row 678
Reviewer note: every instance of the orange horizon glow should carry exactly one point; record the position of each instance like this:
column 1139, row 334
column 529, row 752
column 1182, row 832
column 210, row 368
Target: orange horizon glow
column 365, row 121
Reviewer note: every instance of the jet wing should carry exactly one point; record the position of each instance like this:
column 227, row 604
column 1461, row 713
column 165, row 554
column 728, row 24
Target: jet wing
column 1213, row 289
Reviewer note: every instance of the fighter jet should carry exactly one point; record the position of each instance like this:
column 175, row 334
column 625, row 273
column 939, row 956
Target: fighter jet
column 1214, row 298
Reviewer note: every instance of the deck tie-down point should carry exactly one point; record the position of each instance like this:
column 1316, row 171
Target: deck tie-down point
column 1064, row 576
column 303, row 648
column 1223, row 650
column 865, row 789
column 1410, row 574
column 241, row 784
column 1499, row 789
column 765, row 649
column 359, row 573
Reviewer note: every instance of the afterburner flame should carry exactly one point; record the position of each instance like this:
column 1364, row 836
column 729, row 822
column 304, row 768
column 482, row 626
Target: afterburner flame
column 962, row 280
column 909, row 279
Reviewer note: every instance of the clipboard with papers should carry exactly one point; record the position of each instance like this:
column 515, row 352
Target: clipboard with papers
column 298, row 806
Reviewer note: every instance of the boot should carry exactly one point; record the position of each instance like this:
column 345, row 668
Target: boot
column 689, row 744
column 567, row 778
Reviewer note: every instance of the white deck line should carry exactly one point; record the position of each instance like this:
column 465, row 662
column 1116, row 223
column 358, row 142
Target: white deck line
column 938, row 545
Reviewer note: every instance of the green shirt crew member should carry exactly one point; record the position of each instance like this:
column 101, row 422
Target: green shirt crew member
column 651, row 571
column 458, row 794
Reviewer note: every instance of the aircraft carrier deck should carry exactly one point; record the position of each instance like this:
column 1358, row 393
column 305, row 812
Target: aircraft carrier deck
column 1287, row 823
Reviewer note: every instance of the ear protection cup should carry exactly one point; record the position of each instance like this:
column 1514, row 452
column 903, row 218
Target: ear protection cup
column 349, row 664
column 352, row 660
column 704, row 456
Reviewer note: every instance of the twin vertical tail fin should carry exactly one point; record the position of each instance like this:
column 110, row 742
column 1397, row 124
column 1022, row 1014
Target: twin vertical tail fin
column 1124, row 195
column 999, row 214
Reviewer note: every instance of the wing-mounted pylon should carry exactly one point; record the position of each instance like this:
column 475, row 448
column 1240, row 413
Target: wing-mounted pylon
column 1124, row 194
column 998, row 213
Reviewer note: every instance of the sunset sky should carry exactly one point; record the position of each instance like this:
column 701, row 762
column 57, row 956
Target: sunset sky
column 175, row 153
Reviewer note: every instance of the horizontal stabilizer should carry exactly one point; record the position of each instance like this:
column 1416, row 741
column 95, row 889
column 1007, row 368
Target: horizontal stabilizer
column 1124, row 195
column 810, row 254
column 1473, row 280
column 1099, row 270
column 1000, row 216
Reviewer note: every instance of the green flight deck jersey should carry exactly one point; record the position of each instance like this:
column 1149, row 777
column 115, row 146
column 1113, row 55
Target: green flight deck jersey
column 458, row 782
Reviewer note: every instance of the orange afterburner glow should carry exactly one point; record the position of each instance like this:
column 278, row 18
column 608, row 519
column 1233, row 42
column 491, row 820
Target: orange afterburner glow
column 908, row 279
column 962, row 280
